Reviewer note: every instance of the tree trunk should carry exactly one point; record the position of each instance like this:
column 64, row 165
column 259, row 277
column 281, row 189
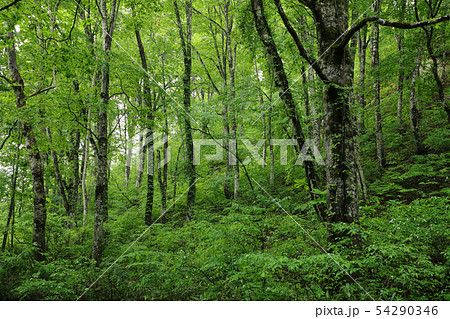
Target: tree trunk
column 227, row 190
column 12, row 202
column 163, row 183
column 142, row 157
column 313, row 107
column 306, row 98
column 128, row 148
column 150, row 179
column 34, row 155
column 59, row 181
column 90, row 39
column 233, row 109
column 340, row 137
column 187, row 59
column 282, row 84
column 362, row 46
column 147, row 99
column 84, row 174
column 74, row 161
column 413, row 110
column 271, row 153
column 335, row 69
column 435, row 67
column 401, row 74
column 376, row 89
column 160, row 182
column 101, row 187
column 175, row 177
column 264, row 136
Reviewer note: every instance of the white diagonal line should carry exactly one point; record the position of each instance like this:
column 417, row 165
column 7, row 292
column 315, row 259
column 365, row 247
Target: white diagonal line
column 315, row 241
column 134, row 242
column 310, row 66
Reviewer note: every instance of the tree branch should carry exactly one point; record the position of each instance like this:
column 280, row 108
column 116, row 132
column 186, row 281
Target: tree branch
column 10, row 5
column 6, row 79
column 9, row 134
column 312, row 62
column 40, row 91
column 206, row 70
column 209, row 19
column 387, row 23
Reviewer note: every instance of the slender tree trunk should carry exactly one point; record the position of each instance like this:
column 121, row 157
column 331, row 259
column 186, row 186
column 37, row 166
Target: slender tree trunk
column 147, row 99
column 60, row 182
column 227, row 186
column 306, row 97
column 129, row 148
column 226, row 135
column 362, row 46
column 74, row 161
column 413, row 110
column 85, row 14
column 142, row 157
column 271, row 153
column 101, row 187
column 12, row 202
column 435, row 67
column 187, row 59
column 150, row 176
column 84, row 173
column 75, row 184
column 376, row 89
column 264, row 136
column 34, row 155
column 233, row 109
column 313, row 107
column 163, row 182
column 401, row 74
column 175, row 178
column 282, row 84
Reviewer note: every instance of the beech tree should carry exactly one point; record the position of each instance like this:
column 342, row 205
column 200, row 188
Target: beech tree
column 335, row 69
column 186, row 46
column 34, row 154
column 101, row 188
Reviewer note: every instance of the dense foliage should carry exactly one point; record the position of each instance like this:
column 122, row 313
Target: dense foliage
column 253, row 233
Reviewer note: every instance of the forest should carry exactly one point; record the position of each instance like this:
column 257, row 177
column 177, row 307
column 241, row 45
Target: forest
column 224, row 150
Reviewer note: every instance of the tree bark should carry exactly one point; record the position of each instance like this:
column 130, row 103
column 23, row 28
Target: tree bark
column 101, row 187
column 335, row 69
column 142, row 156
column 34, row 155
column 282, row 84
column 414, row 114
column 185, row 39
column 84, row 173
column 271, row 153
column 362, row 46
column 128, row 148
column 60, row 182
column 376, row 90
column 163, row 185
column 147, row 99
column 401, row 74
column 313, row 106
column 232, row 68
column 12, row 201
